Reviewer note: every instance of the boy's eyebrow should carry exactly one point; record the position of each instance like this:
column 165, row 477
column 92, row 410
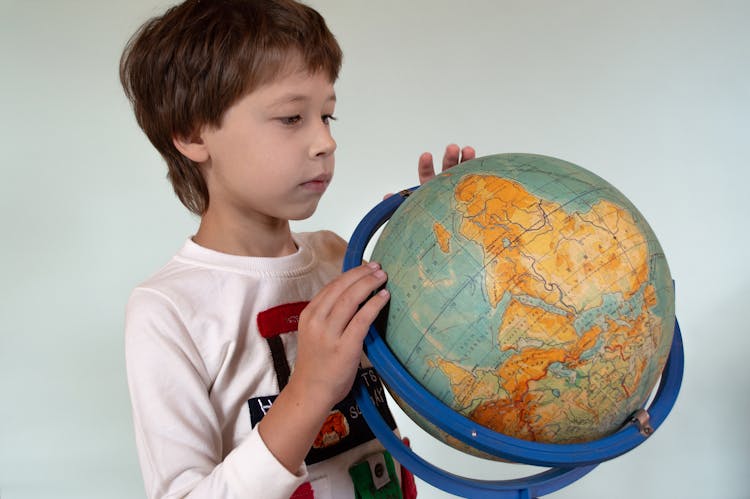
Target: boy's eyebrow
column 292, row 98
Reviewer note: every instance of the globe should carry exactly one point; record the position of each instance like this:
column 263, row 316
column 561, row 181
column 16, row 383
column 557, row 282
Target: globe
column 529, row 295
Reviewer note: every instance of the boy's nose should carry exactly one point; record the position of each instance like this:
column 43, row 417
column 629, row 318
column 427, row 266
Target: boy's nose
column 324, row 144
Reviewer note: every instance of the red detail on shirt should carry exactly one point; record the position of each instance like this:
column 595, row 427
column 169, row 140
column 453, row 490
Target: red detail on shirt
column 408, row 485
column 335, row 428
column 280, row 319
column 304, row 491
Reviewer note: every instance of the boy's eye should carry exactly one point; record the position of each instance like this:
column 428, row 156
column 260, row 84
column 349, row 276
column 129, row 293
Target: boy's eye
column 291, row 120
column 327, row 118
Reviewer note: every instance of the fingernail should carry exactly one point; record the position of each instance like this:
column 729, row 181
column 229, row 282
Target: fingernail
column 384, row 293
column 374, row 265
column 379, row 274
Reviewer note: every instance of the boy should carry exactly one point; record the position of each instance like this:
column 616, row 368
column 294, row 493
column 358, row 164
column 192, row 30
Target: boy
column 242, row 350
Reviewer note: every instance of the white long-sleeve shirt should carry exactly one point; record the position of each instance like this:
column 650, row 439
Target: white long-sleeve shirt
column 203, row 367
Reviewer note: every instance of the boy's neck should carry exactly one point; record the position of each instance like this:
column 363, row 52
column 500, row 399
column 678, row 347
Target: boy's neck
column 271, row 239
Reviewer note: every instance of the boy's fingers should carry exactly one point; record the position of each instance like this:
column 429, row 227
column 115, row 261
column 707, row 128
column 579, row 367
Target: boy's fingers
column 468, row 153
column 327, row 298
column 344, row 294
column 349, row 301
column 451, row 156
column 360, row 323
column 425, row 168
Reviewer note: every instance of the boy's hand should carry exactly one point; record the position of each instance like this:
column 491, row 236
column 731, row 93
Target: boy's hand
column 453, row 156
column 332, row 328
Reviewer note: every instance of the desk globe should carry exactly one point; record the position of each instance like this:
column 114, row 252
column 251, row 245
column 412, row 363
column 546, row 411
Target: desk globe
column 528, row 295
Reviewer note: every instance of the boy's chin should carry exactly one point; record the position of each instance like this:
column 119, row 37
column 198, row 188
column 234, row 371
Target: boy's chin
column 303, row 214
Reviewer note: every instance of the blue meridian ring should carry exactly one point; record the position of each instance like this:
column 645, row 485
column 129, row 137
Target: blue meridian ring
column 569, row 461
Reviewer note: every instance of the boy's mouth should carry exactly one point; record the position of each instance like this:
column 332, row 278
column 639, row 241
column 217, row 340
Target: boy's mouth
column 318, row 184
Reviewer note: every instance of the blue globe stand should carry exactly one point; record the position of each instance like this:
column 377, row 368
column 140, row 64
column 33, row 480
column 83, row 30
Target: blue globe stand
column 567, row 462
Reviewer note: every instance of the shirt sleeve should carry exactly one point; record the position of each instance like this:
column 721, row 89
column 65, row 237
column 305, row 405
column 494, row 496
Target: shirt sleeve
column 177, row 431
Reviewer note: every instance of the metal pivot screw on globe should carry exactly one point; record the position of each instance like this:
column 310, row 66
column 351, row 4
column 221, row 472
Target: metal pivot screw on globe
column 564, row 277
column 642, row 421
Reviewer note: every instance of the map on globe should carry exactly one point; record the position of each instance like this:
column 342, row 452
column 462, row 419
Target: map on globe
column 528, row 294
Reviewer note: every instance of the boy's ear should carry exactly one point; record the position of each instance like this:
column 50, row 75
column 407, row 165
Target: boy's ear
column 192, row 147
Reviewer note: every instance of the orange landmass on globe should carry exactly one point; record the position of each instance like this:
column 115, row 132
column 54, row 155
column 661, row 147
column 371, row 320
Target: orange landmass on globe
column 568, row 261
column 565, row 259
column 524, row 323
column 443, row 237
column 523, row 398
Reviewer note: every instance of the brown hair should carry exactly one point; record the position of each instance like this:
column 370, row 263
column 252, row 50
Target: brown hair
column 184, row 69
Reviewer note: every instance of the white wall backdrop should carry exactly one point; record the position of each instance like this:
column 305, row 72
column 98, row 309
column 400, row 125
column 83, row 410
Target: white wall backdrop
column 652, row 96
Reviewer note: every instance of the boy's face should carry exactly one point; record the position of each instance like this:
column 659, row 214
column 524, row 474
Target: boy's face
column 272, row 157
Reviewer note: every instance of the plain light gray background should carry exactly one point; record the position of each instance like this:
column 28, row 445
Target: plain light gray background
column 652, row 96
